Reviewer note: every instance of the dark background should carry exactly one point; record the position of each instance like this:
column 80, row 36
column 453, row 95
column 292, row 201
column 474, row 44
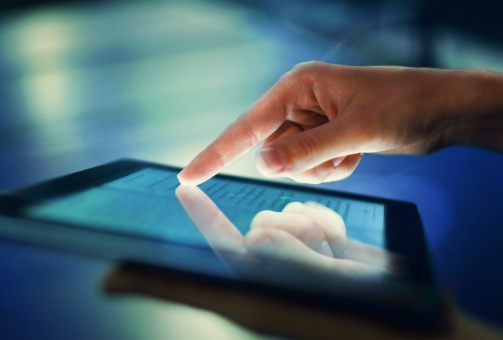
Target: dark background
column 83, row 83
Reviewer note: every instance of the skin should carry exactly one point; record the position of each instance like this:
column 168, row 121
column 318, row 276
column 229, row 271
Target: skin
column 319, row 118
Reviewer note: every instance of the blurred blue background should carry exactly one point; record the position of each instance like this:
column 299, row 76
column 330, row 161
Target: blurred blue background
column 84, row 83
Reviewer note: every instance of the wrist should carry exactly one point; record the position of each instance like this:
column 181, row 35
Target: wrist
column 470, row 105
column 485, row 119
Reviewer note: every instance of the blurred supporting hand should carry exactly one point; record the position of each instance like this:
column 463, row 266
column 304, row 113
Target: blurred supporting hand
column 319, row 118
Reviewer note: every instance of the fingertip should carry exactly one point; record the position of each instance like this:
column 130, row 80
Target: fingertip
column 185, row 178
column 180, row 191
column 181, row 178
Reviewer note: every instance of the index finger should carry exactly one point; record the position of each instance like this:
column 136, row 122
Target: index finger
column 251, row 128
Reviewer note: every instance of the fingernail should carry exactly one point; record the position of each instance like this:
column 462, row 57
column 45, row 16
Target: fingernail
column 338, row 160
column 272, row 159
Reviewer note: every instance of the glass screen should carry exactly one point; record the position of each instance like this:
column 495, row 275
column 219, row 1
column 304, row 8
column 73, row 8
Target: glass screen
column 144, row 203
column 243, row 230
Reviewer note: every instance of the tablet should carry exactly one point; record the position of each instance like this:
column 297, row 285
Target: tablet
column 322, row 247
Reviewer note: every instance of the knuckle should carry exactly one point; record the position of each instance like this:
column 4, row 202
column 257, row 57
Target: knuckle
column 293, row 207
column 303, row 70
column 262, row 219
column 254, row 238
column 250, row 134
column 307, row 66
column 259, row 237
column 336, row 235
column 220, row 158
column 311, row 233
column 338, row 220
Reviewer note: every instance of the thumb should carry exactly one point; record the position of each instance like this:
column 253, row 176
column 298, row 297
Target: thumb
column 305, row 150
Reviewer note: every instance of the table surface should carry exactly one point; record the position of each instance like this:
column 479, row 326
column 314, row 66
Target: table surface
column 82, row 85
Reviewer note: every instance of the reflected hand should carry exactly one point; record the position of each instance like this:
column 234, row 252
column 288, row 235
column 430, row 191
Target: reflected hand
column 318, row 119
column 307, row 234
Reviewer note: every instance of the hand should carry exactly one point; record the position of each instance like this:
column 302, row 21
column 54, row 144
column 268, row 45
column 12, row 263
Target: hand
column 319, row 118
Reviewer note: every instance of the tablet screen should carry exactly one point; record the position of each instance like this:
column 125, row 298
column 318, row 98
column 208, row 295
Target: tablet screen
column 144, row 203
column 137, row 211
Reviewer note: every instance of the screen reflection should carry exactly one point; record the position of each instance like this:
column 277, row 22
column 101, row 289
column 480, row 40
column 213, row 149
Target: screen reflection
column 302, row 240
column 304, row 246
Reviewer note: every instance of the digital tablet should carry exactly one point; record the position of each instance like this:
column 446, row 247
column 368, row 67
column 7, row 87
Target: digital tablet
column 322, row 247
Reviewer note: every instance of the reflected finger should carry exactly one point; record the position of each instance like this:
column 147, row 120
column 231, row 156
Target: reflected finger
column 220, row 233
column 302, row 227
column 276, row 244
column 327, row 220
